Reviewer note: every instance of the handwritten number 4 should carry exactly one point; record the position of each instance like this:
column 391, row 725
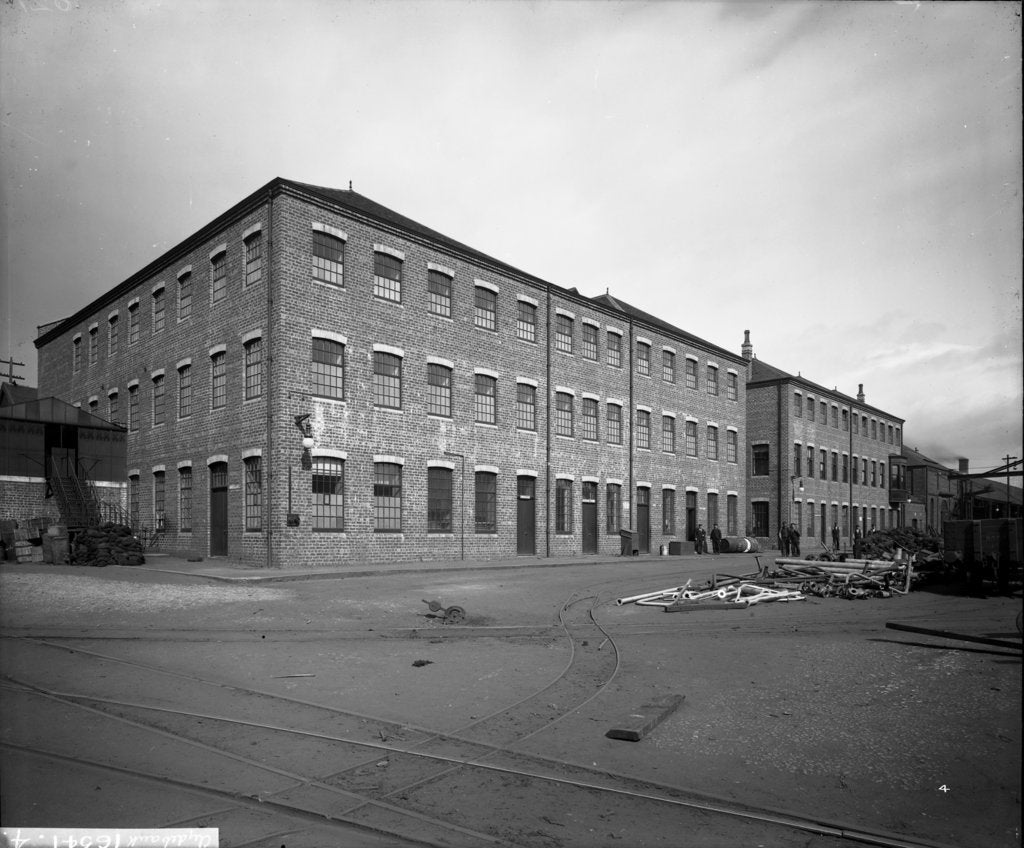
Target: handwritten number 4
column 944, row 788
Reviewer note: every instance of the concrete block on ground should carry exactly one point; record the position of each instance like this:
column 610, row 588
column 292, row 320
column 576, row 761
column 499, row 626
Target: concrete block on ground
column 638, row 724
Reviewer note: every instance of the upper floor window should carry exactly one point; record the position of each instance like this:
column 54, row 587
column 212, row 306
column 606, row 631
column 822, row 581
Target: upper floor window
column 614, row 424
column 253, row 368
column 563, row 333
column 387, row 380
column 253, row 248
column 328, row 258
column 691, row 438
column 112, row 337
column 588, row 419
column 94, row 345
column 712, row 380
column 691, row 373
column 890, row 433
column 76, row 353
column 835, row 417
column 731, row 446
column 134, row 323
column 712, row 445
column 387, row 276
column 835, row 467
column 327, row 368
column 668, row 434
column 485, row 399
column 112, row 406
column 526, row 321
column 439, row 390
column 563, row 414
column 588, row 341
column 822, row 464
column 158, row 400
column 643, row 429
column 185, row 391
column 133, row 408
column 439, row 293
column 184, row 295
column 643, row 359
column 846, row 420
column 798, row 454
column 810, row 461
column 159, row 310
column 614, row 349
column 824, row 411
column 798, row 405
column 874, row 429
column 668, row 366
column 759, row 458
column 731, row 386
column 485, row 308
column 218, row 380
column 219, row 277
column 810, row 409
column 526, row 406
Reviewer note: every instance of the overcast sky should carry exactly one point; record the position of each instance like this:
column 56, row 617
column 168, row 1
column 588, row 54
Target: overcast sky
column 842, row 179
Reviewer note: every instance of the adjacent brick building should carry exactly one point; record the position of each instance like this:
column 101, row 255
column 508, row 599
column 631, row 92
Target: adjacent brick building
column 818, row 458
column 313, row 377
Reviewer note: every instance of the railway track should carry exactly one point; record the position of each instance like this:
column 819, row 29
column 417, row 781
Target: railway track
column 349, row 772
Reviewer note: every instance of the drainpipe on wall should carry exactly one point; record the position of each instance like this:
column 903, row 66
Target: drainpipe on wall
column 778, row 463
column 267, row 478
column 629, row 422
column 547, row 464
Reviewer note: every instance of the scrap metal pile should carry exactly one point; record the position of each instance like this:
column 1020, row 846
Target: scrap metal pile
column 793, row 580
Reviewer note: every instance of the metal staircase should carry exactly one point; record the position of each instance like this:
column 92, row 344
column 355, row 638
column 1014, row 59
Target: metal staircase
column 80, row 505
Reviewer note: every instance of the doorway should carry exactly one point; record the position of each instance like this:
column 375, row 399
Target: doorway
column 589, row 517
column 643, row 520
column 219, row 509
column 526, row 516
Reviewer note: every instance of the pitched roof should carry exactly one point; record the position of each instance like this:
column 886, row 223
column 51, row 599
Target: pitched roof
column 12, row 393
column 51, row 410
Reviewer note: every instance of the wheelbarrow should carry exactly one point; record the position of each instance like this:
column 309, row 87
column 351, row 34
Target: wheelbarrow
column 448, row 615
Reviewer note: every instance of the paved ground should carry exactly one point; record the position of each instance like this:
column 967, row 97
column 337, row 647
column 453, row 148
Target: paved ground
column 813, row 707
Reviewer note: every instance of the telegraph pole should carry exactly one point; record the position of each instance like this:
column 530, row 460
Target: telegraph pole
column 1008, row 459
column 10, row 363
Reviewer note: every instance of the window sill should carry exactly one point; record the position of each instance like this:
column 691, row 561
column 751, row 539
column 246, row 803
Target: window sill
column 327, row 285
column 397, row 410
column 398, row 534
column 325, row 399
column 335, row 531
column 378, row 299
column 486, row 425
column 256, row 399
column 526, row 341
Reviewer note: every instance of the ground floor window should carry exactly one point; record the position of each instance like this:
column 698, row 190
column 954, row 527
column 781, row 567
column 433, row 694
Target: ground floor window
column 439, row 500
column 563, row 507
column 668, row 512
column 486, row 502
column 613, row 507
column 712, row 509
column 133, row 501
column 253, row 494
column 159, row 500
column 732, row 508
column 387, row 497
column 328, row 494
column 185, row 499
column 759, row 511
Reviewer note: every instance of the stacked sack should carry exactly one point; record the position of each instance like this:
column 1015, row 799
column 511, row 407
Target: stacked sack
column 109, row 544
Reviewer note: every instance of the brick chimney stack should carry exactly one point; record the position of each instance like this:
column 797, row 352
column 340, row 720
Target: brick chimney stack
column 860, row 393
column 965, row 465
column 748, row 348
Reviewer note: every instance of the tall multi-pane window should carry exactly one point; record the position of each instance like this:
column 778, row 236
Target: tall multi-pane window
column 185, row 391
column 526, row 406
column 712, row 445
column 691, row 373
column 823, row 407
column 691, row 438
column 588, row 341
column 881, row 475
column 846, row 420
column 76, row 353
column 835, row 417
column 563, row 333
column 643, row 359
column 387, row 277
column 387, row 497
column 731, row 517
column 712, row 509
column 160, row 500
column 184, row 295
column 890, row 434
column 614, row 424
column 760, row 517
column 810, row 461
column 486, row 513
column 328, row 258
column 218, row 380
column 219, row 277
column 798, row 405
column 835, row 467
column 485, row 399
column 328, row 493
column 134, row 323
column 94, row 345
column 112, row 407
column 133, row 501
column 613, row 508
column 668, row 366
column 185, row 499
column 327, row 368
column 668, row 512
column 133, row 408
column 563, row 414
column 112, row 337
column 387, row 380
column 712, row 380
column 731, row 386
column 874, row 429
column 253, row 494
column 810, row 409
column 798, row 456
column 485, row 308
column 253, row 247
column 439, row 294
column 526, row 321
column 563, row 506
column 759, row 458
column 854, row 422
column 588, row 419
column 614, row 349
column 439, row 390
column 159, row 310
column 439, row 500
column 822, row 464
column 874, row 473
column 846, row 468
column 731, row 449
column 253, row 368
column 158, row 400
column 668, row 434
column 643, row 429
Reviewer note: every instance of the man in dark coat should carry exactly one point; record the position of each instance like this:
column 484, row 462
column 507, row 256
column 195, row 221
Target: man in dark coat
column 835, row 537
column 716, row 540
column 784, row 540
column 700, row 539
column 794, row 541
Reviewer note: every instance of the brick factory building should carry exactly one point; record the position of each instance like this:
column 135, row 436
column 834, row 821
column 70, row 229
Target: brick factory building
column 819, row 458
column 314, row 378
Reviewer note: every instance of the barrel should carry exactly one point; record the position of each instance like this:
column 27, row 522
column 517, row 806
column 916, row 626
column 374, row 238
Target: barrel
column 739, row 545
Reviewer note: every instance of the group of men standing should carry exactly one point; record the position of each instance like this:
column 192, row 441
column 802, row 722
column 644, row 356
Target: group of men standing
column 700, row 540
column 789, row 540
